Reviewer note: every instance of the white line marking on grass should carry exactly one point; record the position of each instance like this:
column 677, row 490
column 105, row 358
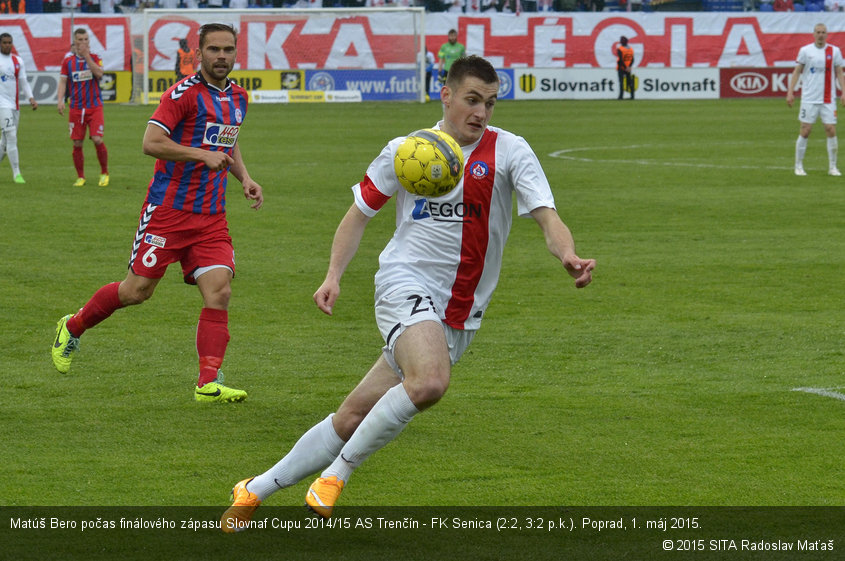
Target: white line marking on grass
column 822, row 392
column 567, row 154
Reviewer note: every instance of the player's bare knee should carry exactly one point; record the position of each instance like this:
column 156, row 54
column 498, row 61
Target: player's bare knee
column 219, row 297
column 346, row 420
column 427, row 390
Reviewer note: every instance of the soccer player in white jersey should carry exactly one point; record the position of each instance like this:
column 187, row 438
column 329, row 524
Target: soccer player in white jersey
column 12, row 78
column 819, row 66
column 434, row 282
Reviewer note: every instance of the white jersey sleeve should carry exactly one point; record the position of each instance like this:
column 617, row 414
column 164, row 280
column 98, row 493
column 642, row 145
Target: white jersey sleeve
column 527, row 176
column 27, row 89
column 380, row 182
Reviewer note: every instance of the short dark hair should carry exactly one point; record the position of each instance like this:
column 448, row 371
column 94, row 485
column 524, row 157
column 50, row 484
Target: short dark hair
column 623, row 40
column 471, row 66
column 212, row 27
column 79, row 31
column 4, row 35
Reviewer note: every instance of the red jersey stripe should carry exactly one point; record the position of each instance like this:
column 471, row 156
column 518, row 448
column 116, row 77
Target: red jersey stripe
column 478, row 190
column 828, row 74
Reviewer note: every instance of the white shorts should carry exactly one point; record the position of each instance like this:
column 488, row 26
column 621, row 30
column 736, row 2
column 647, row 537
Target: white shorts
column 406, row 306
column 810, row 112
column 9, row 119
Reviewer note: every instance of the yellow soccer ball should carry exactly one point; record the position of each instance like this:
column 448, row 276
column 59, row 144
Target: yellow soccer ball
column 429, row 163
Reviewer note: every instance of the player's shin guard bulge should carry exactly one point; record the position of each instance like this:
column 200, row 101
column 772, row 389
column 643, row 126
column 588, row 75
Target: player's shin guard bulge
column 244, row 503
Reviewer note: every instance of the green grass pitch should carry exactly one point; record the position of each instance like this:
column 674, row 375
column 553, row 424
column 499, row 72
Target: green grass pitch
column 669, row 381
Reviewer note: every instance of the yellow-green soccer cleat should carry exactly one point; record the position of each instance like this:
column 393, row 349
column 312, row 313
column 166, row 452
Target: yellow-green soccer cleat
column 237, row 517
column 216, row 392
column 104, row 180
column 80, row 182
column 64, row 346
column 323, row 494
column 19, row 179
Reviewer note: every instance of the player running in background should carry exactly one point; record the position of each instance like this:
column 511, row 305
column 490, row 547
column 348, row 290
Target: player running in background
column 12, row 77
column 80, row 77
column 435, row 280
column 193, row 136
column 819, row 66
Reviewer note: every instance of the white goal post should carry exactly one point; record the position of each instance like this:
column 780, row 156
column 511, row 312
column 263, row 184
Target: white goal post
column 317, row 54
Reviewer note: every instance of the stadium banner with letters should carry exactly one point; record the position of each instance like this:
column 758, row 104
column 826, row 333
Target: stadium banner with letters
column 304, row 96
column 756, row 82
column 115, row 87
column 368, row 85
column 374, row 85
column 659, row 39
column 596, row 83
column 159, row 81
column 550, row 40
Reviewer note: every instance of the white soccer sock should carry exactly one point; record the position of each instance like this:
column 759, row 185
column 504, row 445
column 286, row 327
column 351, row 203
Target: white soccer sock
column 11, row 142
column 800, row 150
column 832, row 149
column 313, row 451
column 383, row 423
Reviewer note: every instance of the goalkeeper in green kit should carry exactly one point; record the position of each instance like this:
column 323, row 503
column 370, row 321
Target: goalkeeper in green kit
column 449, row 53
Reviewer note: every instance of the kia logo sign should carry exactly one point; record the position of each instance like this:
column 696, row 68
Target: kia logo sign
column 749, row 83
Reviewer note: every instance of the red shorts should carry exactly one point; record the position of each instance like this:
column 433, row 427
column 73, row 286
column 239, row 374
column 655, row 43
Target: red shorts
column 82, row 119
column 166, row 235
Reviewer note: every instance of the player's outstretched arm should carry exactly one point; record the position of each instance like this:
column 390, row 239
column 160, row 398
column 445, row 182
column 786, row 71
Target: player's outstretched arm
column 347, row 238
column 793, row 81
column 252, row 190
column 840, row 77
column 561, row 245
column 60, row 95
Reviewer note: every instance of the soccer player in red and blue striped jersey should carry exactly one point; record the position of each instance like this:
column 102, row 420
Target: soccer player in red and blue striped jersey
column 80, row 75
column 193, row 136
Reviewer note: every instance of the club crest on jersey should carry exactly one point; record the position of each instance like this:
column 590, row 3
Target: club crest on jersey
column 157, row 241
column 217, row 134
column 478, row 170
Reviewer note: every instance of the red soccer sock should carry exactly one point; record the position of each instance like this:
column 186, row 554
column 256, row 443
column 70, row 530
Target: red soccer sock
column 103, row 157
column 79, row 161
column 103, row 304
column 212, row 339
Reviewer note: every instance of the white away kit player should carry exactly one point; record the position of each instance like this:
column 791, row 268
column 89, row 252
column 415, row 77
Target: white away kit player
column 819, row 66
column 12, row 78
